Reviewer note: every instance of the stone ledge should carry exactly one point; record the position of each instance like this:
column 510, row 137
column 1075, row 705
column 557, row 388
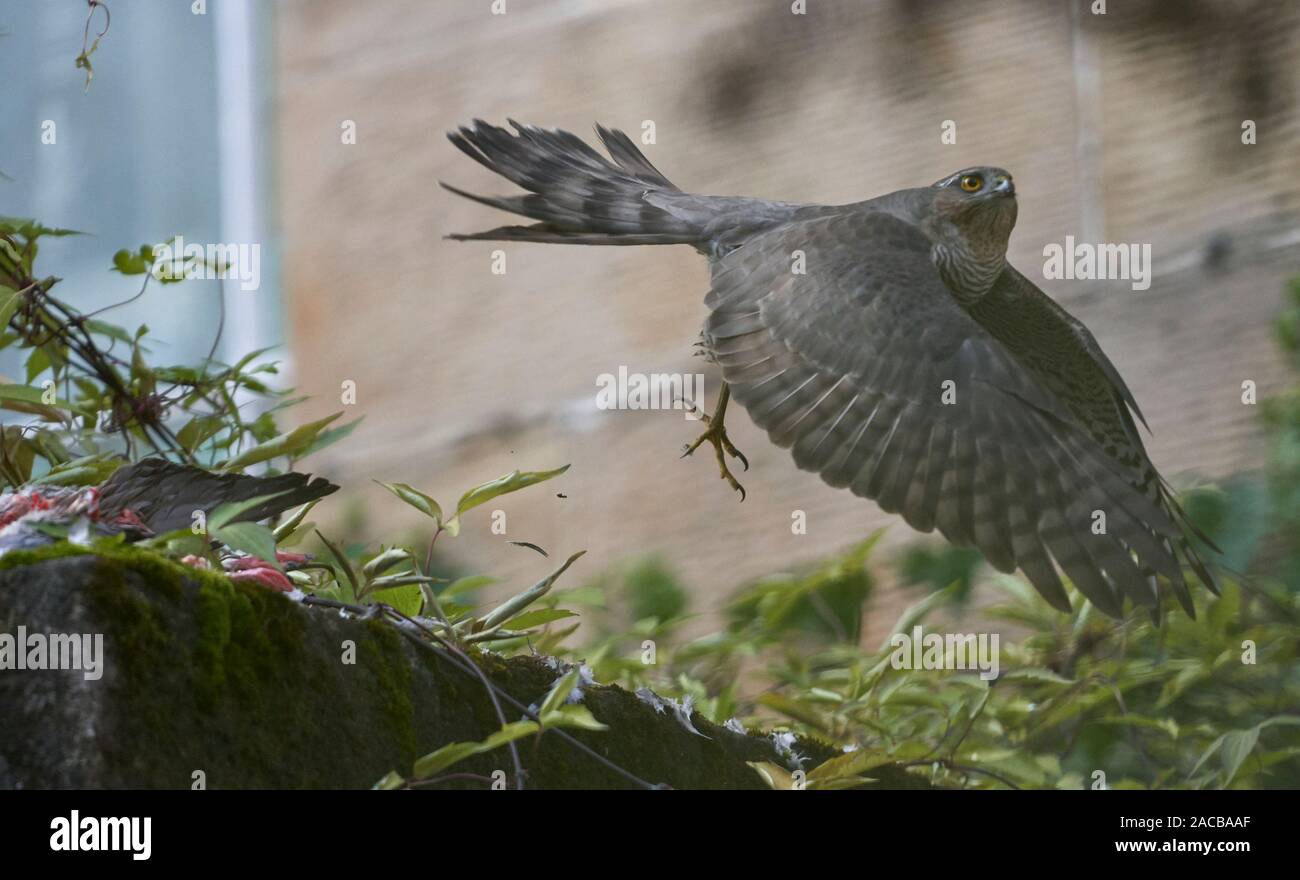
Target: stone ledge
column 200, row 673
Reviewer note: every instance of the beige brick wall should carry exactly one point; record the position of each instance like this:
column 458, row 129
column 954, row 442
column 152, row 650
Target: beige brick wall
column 463, row 375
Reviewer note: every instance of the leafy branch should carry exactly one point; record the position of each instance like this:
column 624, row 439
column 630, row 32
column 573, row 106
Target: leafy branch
column 101, row 396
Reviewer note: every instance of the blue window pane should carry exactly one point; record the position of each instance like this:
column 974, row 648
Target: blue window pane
column 137, row 158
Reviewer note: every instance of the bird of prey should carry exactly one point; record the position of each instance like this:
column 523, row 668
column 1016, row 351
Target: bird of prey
column 149, row 497
column 893, row 349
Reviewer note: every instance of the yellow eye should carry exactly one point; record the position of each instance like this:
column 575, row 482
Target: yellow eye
column 970, row 183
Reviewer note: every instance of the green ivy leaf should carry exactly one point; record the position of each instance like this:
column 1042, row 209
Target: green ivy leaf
column 226, row 513
column 515, row 604
column 511, row 482
column 353, row 588
column 453, row 753
column 416, row 499
column 198, row 431
column 10, row 300
column 251, row 538
column 330, row 437
column 29, row 229
column 293, row 443
column 848, row 767
column 26, row 399
column 509, row 733
column 1036, row 674
column 90, row 470
column 469, row 584
column 577, row 717
column 129, row 263
column 391, row 782
column 406, row 600
column 530, row 619
column 559, row 692
column 1237, row 746
column 444, row 757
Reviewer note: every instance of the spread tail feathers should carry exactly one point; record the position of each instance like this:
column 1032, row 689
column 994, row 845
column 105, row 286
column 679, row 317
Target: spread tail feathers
column 578, row 195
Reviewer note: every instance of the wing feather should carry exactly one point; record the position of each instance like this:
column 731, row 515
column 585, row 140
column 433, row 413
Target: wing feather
column 853, row 364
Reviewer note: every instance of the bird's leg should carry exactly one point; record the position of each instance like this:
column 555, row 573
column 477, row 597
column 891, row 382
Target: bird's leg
column 716, row 434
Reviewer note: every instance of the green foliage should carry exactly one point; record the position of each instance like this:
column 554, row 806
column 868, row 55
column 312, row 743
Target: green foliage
column 511, row 482
column 1282, row 417
column 1075, row 700
column 442, row 758
column 481, row 494
column 828, row 601
column 95, row 395
column 1211, row 702
column 121, row 405
column 555, row 711
column 416, row 499
column 653, row 592
column 936, row 566
column 412, row 592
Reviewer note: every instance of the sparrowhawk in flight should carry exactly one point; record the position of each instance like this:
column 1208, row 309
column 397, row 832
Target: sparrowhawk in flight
column 894, row 350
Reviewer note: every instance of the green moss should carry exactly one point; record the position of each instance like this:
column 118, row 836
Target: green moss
column 236, row 680
column 383, row 656
column 212, row 617
column 161, row 572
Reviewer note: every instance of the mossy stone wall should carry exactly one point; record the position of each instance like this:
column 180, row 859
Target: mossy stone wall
column 203, row 674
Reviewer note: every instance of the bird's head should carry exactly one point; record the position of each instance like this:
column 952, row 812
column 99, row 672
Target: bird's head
column 974, row 213
column 979, row 198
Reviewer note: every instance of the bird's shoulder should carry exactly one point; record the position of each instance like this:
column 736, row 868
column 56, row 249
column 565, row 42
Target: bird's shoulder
column 1063, row 354
column 873, row 234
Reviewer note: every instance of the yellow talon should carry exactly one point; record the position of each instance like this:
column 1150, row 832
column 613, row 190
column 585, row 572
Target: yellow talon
column 716, row 434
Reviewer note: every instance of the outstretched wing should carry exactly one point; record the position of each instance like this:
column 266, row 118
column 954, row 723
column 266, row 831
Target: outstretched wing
column 839, row 338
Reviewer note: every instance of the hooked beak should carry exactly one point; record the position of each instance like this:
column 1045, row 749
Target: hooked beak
column 1004, row 186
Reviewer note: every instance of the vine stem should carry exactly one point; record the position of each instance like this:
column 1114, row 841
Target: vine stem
column 454, row 656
